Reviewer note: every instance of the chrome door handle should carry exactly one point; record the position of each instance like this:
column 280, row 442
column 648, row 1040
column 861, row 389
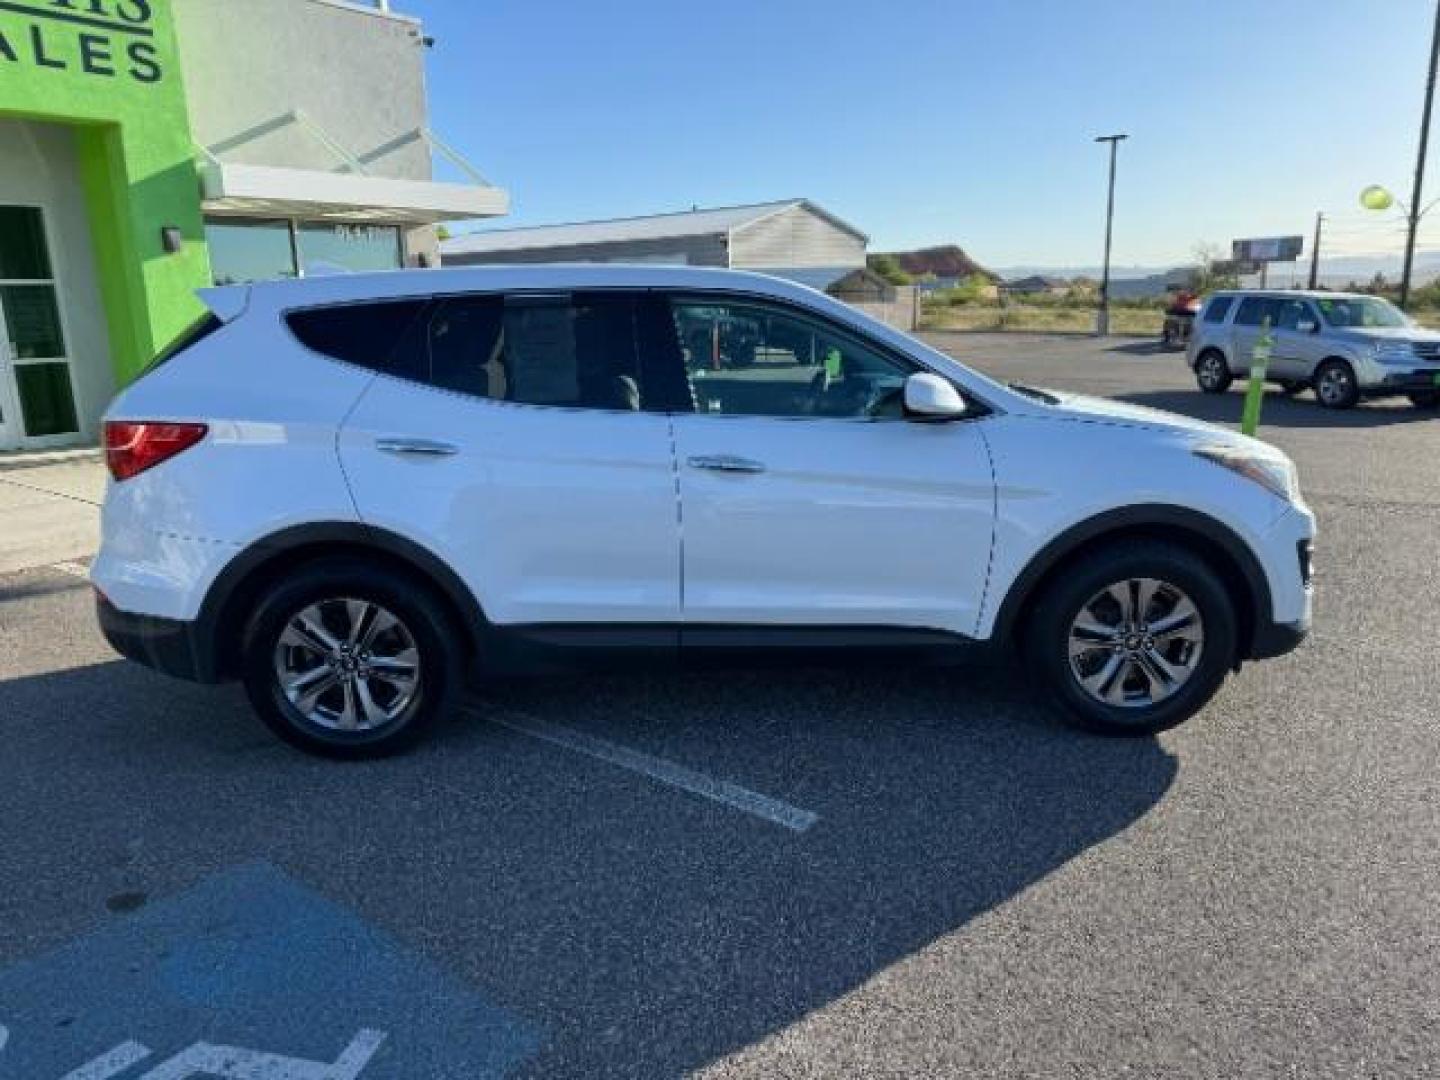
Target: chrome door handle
column 395, row 444
column 725, row 463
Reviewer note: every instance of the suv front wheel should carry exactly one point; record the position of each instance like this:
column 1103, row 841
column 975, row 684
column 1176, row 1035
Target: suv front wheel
column 348, row 659
column 1134, row 639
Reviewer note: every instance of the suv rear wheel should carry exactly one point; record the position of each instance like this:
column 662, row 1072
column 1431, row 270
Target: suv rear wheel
column 1212, row 372
column 348, row 659
column 1134, row 639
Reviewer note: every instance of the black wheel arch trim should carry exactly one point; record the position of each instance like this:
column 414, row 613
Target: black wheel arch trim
column 216, row 616
column 1156, row 516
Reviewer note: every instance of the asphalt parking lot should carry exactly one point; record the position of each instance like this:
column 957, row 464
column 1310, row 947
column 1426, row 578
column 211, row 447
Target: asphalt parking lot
column 823, row 873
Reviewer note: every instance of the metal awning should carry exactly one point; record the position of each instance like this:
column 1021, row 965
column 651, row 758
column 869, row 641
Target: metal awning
column 314, row 195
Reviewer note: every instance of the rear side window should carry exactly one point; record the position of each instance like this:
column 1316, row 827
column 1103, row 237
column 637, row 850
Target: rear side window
column 1256, row 309
column 385, row 337
column 1218, row 308
column 197, row 332
column 576, row 351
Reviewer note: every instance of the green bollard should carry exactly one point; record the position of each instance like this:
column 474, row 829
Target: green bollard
column 1255, row 392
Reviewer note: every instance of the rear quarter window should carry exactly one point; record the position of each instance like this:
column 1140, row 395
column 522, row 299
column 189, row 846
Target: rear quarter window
column 1218, row 308
column 387, row 337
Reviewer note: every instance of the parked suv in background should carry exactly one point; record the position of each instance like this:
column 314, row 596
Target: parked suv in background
column 1344, row 346
column 349, row 492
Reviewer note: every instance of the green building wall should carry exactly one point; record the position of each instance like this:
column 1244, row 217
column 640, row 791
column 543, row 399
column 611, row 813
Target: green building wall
column 110, row 69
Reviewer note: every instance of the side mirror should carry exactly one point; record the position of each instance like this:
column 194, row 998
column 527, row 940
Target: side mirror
column 929, row 397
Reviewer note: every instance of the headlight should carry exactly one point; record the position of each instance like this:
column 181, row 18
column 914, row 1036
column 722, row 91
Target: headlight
column 1393, row 352
column 1274, row 472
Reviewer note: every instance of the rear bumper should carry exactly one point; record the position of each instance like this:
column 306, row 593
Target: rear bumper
column 169, row 646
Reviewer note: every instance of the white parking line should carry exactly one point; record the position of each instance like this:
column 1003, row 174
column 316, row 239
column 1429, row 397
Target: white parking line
column 665, row 772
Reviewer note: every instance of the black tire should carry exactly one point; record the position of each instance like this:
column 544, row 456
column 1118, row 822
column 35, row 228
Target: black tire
column 1048, row 635
column 1336, row 386
column 419, row 615
column 1212, row 372
column 1425, row 399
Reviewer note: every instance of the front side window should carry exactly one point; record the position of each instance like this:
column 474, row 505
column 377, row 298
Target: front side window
column 1368, row 311
column 1254, row 310
column 1293, row 313
column 744, row 358
column 574, row 351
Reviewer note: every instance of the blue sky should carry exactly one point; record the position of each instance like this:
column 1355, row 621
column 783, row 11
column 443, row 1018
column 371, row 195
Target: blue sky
column 933, row 122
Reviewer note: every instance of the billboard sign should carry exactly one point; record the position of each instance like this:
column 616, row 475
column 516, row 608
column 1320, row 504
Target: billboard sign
column 1268, row 249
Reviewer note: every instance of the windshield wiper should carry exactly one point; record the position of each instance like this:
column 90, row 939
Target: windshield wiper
column 1032, row 392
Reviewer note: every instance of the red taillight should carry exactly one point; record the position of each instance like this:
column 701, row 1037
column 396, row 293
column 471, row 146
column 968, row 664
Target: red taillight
column 131, row 447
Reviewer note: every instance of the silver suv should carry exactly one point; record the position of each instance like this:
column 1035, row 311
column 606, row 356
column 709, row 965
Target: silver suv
column 1344, row 346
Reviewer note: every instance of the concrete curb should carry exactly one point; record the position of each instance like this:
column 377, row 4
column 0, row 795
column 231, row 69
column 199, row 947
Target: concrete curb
column 35, row 459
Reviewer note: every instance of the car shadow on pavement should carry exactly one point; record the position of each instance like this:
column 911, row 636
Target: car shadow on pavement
column 1148, row 347
column 1280, row 410
column 643, row 929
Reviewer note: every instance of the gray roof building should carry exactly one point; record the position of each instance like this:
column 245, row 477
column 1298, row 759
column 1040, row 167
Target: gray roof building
column 795, row 234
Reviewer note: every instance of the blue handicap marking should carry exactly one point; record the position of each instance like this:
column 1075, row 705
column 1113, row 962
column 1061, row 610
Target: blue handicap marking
column 248, row 976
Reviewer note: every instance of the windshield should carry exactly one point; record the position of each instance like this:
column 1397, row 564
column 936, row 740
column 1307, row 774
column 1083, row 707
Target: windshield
column 1363, row 312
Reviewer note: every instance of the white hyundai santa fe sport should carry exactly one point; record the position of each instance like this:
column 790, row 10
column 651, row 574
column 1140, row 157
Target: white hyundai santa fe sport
column 353, row 492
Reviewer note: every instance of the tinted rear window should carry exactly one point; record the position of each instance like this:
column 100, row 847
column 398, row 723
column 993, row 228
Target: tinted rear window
column 385, row 337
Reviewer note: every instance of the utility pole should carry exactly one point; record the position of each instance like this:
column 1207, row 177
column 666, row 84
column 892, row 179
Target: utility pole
column 1420, row 163
column 1102, row 322
column 1315, row 251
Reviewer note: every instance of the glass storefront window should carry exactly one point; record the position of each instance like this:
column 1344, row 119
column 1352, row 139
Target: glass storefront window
column 245, row 251
column 46, row 403
column 23, row 254
column 353, row 249
column 33, row 319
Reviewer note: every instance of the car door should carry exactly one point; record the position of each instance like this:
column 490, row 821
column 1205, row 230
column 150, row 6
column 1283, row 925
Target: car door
column 1295, row 340
column 517, row 448
column 1246, row 329
column 807, row 499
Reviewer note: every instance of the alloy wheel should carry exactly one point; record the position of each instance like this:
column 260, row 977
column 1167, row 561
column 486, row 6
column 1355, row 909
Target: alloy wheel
column 1335, row 385
column 348, row 665
column 1136, row 643
column 1212, row 371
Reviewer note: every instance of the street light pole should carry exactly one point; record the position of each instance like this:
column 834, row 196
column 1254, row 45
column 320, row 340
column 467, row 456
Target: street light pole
column 1420, row 163
column 1102, row 322
column 1315, row 251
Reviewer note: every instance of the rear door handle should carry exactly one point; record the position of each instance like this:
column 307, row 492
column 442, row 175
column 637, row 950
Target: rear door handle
column 400, row 444
column 725, row 463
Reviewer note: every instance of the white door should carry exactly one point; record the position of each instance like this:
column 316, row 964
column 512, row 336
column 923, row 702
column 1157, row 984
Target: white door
column 806, row 497
column 518, row 453
column 37, row 403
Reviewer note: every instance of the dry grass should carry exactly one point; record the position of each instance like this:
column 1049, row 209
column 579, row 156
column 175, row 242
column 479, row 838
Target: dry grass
column 1123, row 320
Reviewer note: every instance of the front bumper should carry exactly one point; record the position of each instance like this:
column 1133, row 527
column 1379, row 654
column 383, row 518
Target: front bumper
column 1277, row 639
column 1391, row 381
column 169, row 646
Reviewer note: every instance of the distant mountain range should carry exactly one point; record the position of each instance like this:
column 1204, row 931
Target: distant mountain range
column 1334, row 272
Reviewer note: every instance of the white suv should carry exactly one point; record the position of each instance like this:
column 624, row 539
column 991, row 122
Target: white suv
column 350, row 492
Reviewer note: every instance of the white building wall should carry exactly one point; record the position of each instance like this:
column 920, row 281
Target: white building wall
column 41, row 168
column 357, row 73
column 795, row 237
